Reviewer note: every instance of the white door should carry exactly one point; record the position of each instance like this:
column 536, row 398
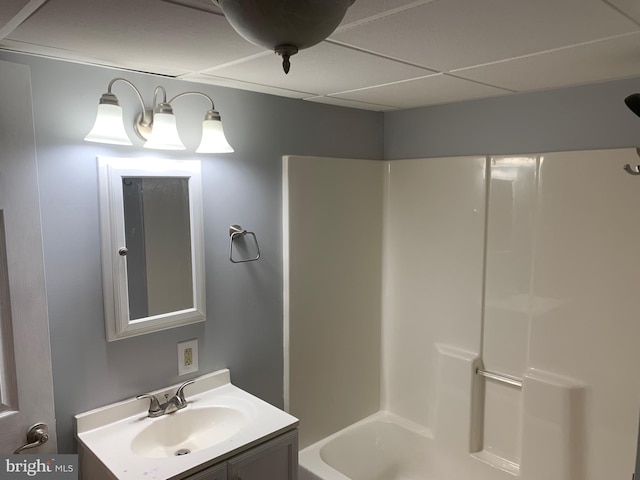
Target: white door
column 26, row 386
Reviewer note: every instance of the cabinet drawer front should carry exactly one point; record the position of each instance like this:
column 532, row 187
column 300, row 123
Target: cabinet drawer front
column 276, row 459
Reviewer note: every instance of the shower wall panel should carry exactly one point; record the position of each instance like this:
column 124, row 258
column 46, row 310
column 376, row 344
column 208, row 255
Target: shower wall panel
column 560, row 306
column 333, row 289
column 434, row 243
column 561, row 311
column 512, row 197
column 586, row 275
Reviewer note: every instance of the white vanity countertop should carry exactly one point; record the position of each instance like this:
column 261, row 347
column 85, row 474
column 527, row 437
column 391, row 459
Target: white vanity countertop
column 109, row 431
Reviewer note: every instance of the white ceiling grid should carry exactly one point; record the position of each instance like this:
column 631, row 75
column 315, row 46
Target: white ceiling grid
column 386, row 54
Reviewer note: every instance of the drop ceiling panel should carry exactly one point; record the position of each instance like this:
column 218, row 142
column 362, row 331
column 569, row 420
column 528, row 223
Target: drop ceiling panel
column 14, row 12
column 432, row 90
column 386, row 54
column 364, row 9
column 593, row 62
column 9, row 9
column 324, row 68
column 445, row 35
column 128, row 33
column 243, row 85
column 139, row 65
column 204, row 5
column 340, row 102
column 629, row 7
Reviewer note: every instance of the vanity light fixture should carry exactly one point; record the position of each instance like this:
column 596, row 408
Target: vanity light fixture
column 156, row 125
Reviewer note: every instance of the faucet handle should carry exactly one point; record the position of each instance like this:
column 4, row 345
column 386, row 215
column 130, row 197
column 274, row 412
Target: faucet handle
column 180, row 391
column 154, row 405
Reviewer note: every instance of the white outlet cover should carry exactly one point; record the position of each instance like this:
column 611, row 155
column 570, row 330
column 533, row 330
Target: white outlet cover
column 183, row 347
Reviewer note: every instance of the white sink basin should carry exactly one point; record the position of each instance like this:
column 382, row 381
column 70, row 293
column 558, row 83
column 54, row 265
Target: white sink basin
column 220, row 421
column 187, row 431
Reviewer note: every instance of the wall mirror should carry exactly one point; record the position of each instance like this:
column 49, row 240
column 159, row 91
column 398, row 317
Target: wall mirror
column 152, row 244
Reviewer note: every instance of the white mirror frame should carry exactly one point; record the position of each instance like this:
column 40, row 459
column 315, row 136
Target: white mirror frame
column 118, row 324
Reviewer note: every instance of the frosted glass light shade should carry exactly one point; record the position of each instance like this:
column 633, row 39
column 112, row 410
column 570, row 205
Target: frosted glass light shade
column 164, row 133
column 109, row 126
column 213, row 139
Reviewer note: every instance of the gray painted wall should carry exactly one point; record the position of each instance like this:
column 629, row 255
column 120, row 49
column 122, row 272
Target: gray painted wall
column 243, row 330
column 578, row 118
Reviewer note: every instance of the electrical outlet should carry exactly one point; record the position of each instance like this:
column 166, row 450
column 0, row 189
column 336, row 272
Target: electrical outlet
column 188, row 357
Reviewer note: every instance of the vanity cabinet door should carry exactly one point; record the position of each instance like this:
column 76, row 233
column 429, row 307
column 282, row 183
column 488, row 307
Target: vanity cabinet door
column 276, row 459
column 218, row 472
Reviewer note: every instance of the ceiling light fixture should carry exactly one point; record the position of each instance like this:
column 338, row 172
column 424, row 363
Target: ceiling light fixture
column 284, row 26
column 156, row 125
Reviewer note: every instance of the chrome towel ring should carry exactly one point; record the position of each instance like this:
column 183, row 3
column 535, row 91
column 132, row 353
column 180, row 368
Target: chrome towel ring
column 237, row 232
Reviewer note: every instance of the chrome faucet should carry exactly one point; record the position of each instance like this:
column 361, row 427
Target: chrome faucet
column 173, row 404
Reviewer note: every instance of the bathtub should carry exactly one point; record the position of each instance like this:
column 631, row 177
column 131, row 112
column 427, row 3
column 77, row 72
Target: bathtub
column 380, row 447
column 385, row 446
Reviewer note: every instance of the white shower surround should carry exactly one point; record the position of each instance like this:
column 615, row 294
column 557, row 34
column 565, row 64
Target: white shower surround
column 385, row 446
column 557, row 299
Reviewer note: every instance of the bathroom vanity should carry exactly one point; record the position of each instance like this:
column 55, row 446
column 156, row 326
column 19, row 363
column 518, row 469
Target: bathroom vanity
column 223, row 433
column 274, row 459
